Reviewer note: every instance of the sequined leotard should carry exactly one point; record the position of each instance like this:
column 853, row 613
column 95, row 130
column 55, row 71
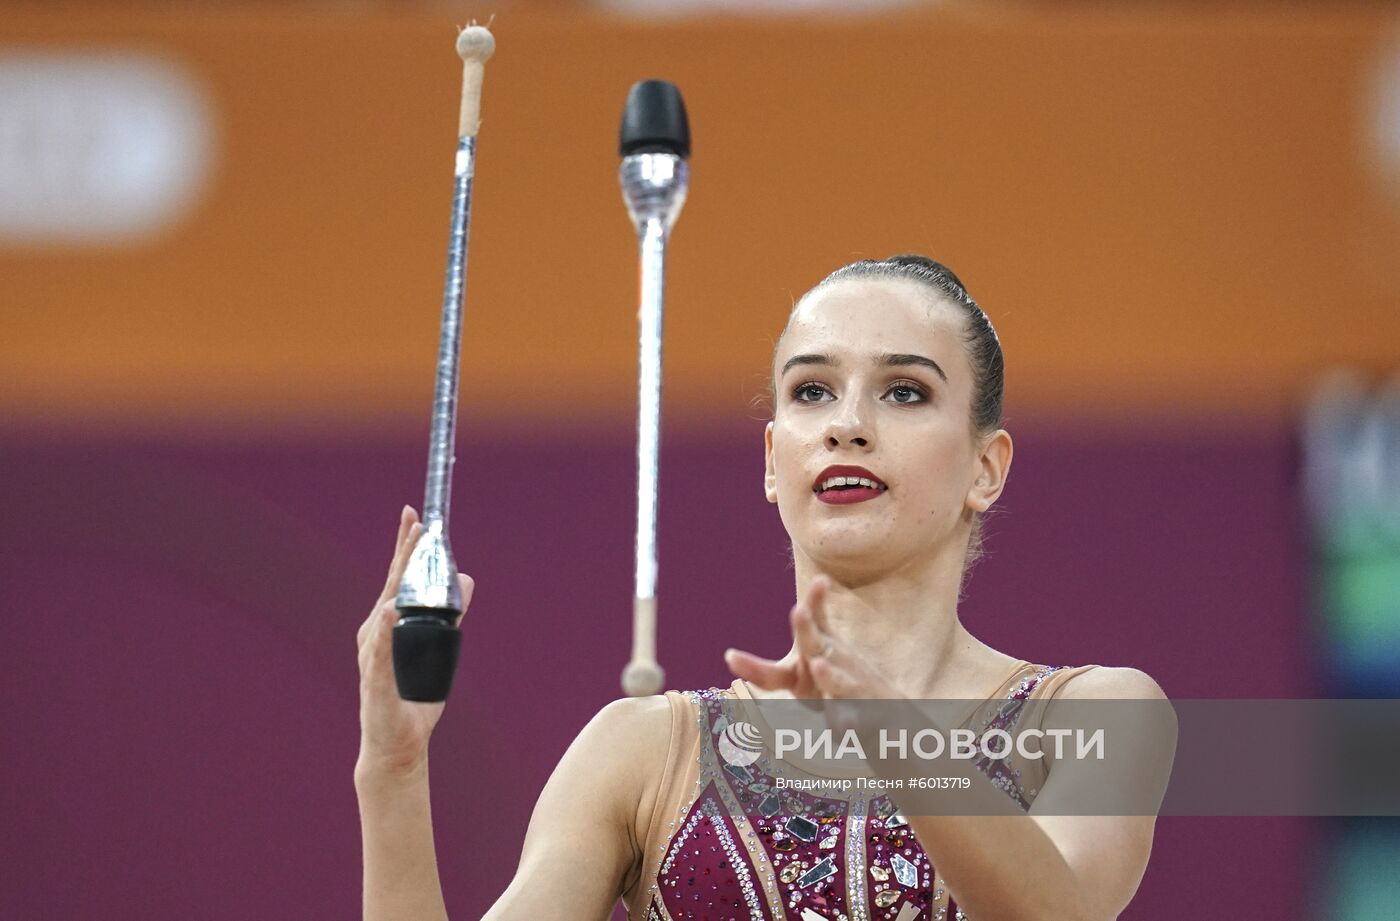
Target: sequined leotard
column 724, row 844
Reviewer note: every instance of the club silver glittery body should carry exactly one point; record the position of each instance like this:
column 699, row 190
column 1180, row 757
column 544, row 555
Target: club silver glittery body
column 429, row 581
column 655, row 177
column 426, row 639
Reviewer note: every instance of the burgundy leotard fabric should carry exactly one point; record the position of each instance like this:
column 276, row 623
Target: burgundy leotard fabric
column 725, row 844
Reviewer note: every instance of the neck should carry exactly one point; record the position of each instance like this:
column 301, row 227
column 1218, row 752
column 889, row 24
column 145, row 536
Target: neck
column 906, row 622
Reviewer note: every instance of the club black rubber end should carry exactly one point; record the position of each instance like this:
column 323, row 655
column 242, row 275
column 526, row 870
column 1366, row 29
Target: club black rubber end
column 654, row 120
column 426, row 648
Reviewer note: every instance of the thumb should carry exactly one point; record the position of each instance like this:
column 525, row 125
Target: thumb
column 766, row 673
column 468, row 586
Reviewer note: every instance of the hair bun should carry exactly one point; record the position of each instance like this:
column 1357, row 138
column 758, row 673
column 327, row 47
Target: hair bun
column 933, row 266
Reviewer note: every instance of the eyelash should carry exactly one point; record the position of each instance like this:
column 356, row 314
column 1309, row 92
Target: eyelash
column 911, row 386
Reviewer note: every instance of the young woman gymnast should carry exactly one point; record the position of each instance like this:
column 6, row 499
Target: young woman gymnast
column 885, row 450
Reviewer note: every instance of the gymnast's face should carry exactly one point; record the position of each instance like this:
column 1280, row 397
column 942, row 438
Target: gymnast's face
column 870, row 456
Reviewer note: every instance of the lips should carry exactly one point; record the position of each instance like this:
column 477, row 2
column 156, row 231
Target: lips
column 844, row 485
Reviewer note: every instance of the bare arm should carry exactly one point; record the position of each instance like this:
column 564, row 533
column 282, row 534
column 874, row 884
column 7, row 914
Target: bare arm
column 583, row 849
column 582, row 845
column 1042, row 866
column 391, row 774
column 998, row 862
column 396, row 832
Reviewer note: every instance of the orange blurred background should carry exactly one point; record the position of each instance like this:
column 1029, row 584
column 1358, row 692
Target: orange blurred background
column 1169, row 211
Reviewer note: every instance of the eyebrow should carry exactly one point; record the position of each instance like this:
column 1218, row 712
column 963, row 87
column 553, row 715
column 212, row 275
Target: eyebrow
column 888, row 360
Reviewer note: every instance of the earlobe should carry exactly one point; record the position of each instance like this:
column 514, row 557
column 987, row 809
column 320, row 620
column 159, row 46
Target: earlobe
column 995, row 466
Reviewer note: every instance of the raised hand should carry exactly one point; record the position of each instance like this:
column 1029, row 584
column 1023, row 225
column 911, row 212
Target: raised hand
column 820, row 666
column 394, row 733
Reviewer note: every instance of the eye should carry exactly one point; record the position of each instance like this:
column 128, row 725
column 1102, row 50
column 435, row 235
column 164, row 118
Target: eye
column 811, row 393
column 906, row 392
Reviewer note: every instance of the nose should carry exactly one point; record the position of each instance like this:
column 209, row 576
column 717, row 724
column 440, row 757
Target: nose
column 847, row 426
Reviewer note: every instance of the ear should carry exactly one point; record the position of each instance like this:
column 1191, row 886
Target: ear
column 770, row 474
column 993, row 466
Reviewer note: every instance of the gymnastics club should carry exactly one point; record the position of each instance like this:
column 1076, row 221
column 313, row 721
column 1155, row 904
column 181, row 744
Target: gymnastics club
column 426, row 638
column 655, row 142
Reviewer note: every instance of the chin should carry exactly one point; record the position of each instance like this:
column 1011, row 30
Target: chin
column 854, row 554
column 852, row 573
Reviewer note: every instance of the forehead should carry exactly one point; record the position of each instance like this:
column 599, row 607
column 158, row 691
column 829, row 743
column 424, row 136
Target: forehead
column 870, row 316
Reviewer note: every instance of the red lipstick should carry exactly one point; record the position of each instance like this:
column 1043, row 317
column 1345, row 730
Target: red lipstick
column 847, row 489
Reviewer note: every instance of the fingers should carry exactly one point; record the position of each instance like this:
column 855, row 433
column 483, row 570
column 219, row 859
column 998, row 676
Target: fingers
column 811, row 641
column 815, row 601
column 376, row 641
column 468, row 586
column 403, row 543
column 409, row 530
column 831, row 680
column 766, row 673
column 406, row 518
column 814, row 641
column 377, row 628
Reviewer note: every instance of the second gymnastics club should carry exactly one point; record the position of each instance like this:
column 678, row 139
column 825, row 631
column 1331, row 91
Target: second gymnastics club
column 655, row 142
column 427, row 640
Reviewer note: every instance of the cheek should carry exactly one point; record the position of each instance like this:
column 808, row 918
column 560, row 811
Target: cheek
column 790, row 464
column 787, row 447
column 935, row 473
column 790, row 476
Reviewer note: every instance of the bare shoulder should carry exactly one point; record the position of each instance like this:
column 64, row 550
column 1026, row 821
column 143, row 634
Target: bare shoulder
column 633, row 726
column 621, row 751
column 627, row 740
column 1112, row 683
column 631, row 737
column 605, row 781
column 636, row 712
